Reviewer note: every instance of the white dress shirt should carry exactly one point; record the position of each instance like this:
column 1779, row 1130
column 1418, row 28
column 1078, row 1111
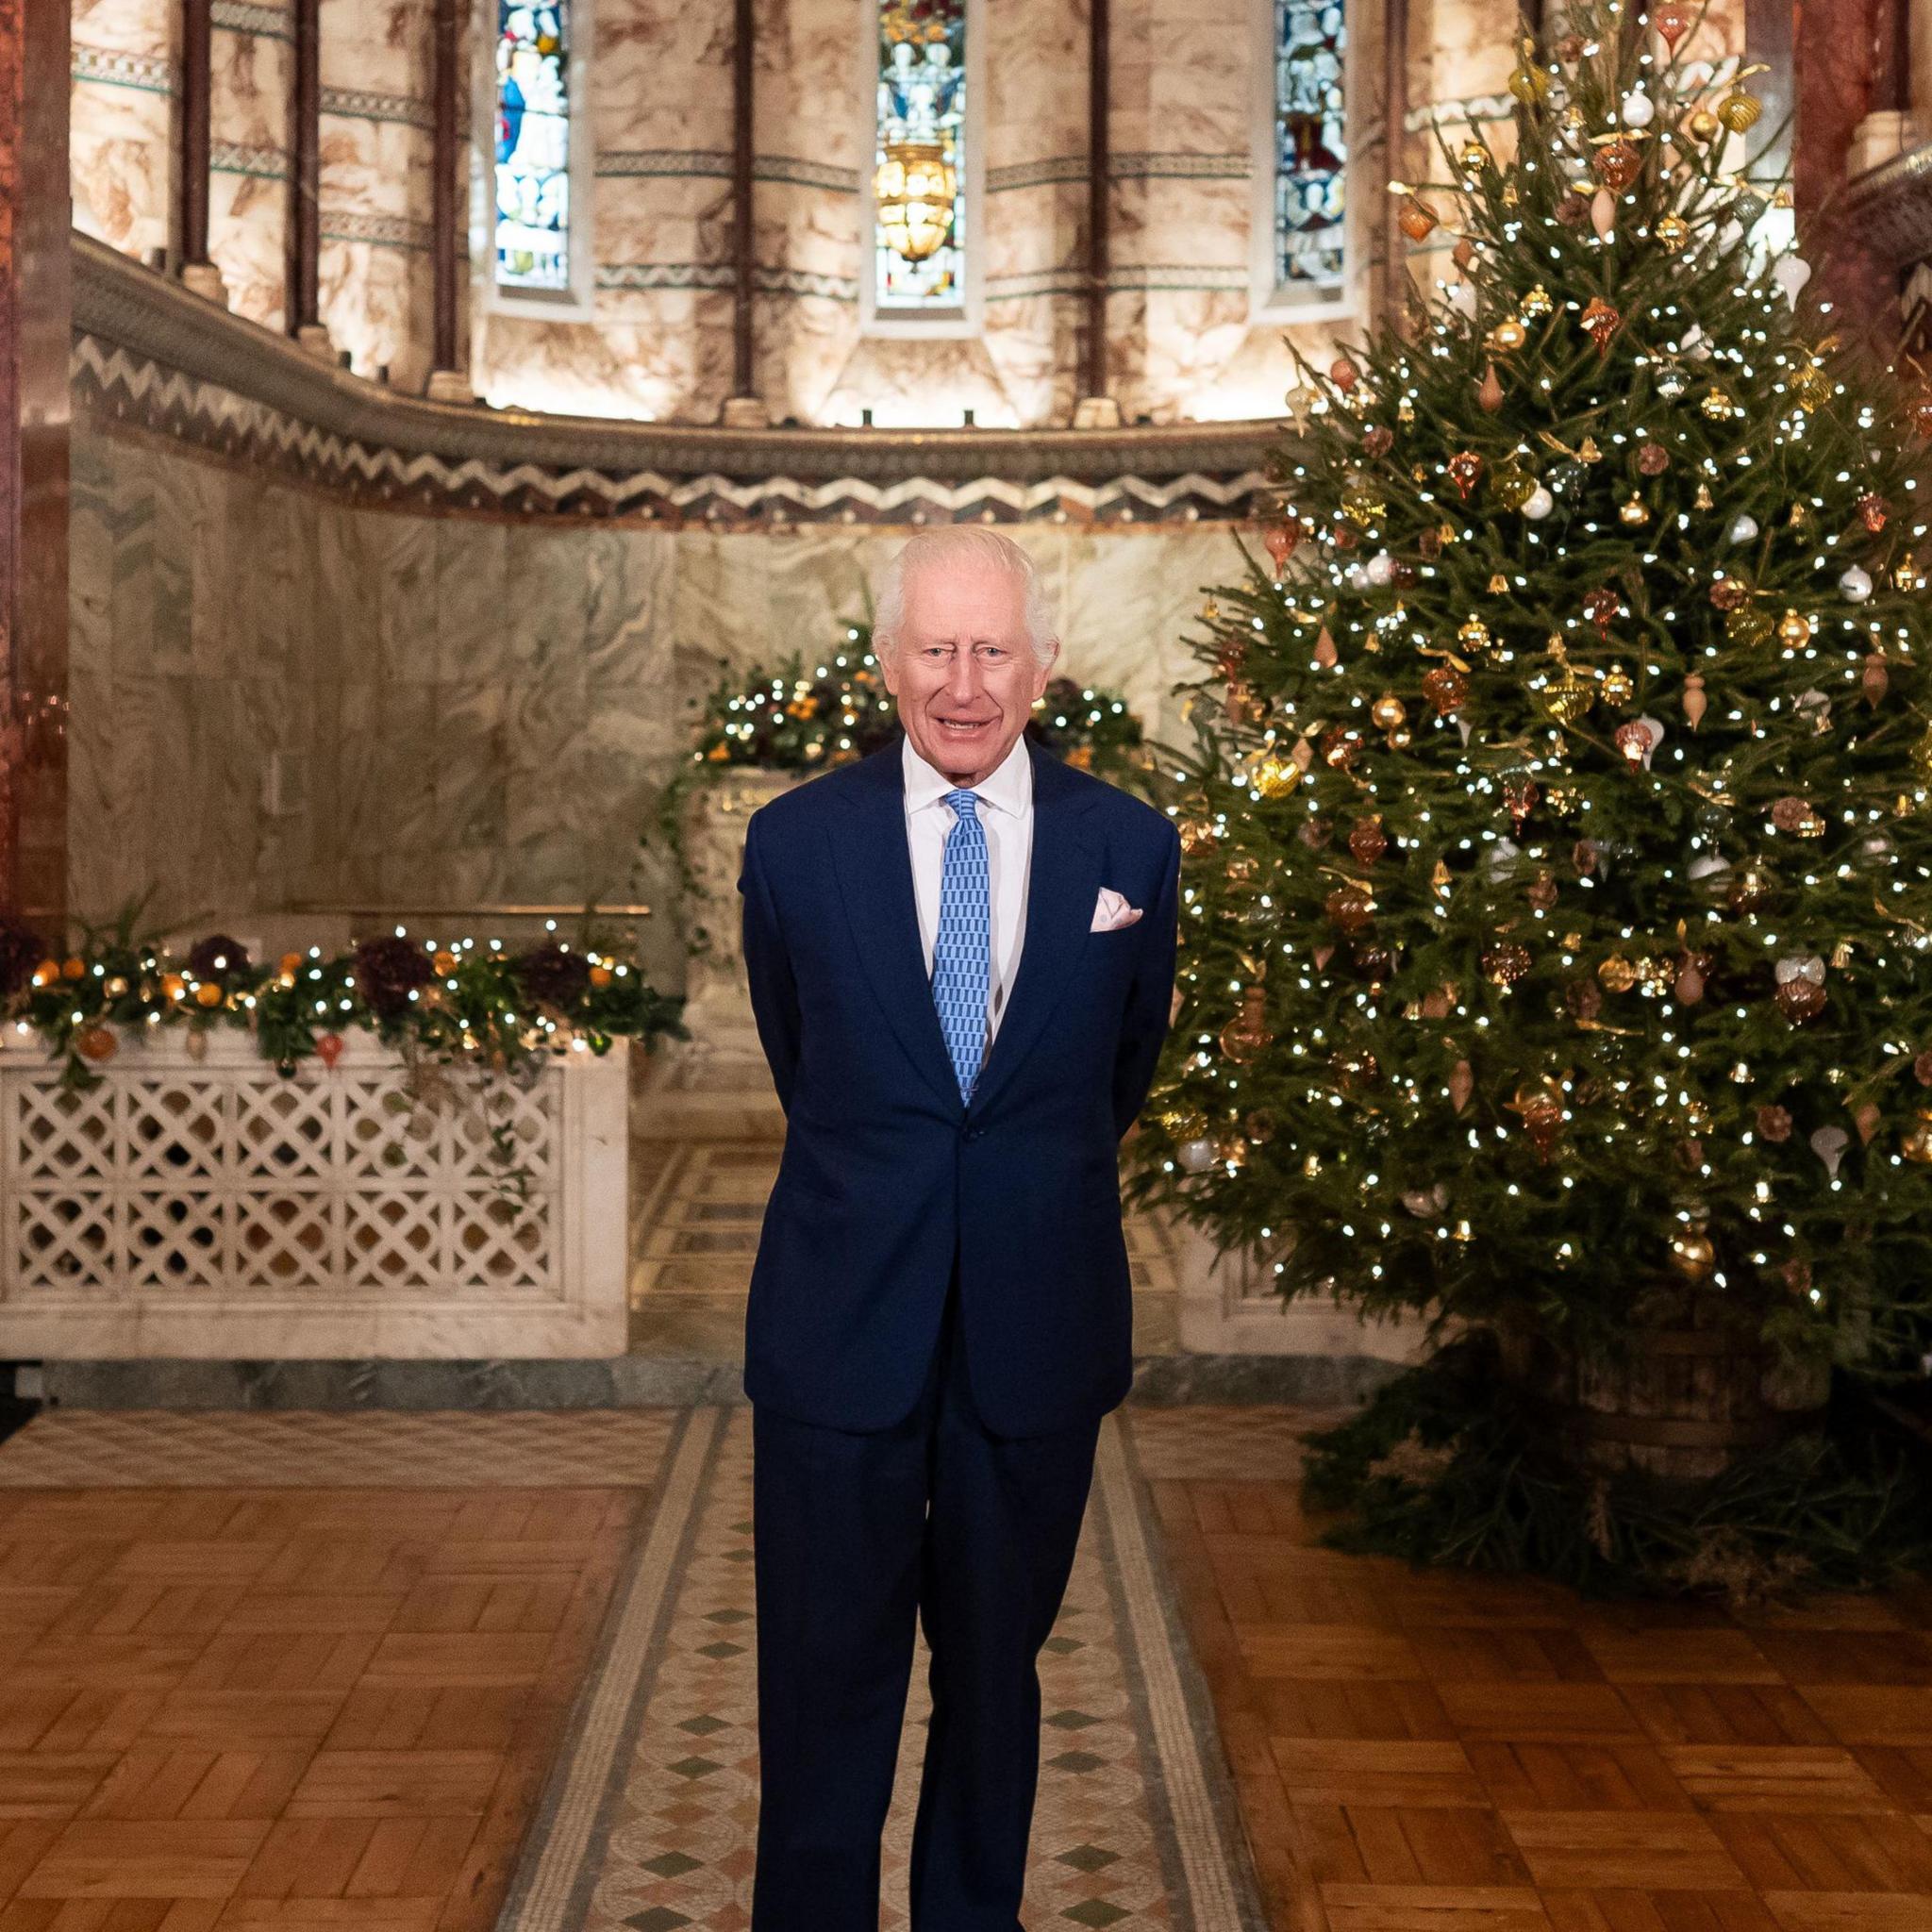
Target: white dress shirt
column 1008, row 790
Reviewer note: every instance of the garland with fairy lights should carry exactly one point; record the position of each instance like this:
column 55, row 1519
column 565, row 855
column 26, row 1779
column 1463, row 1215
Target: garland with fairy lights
column 468, row 1001
column 1558, row 830
column 798, row 720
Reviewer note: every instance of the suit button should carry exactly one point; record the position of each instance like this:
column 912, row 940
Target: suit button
column 975, row 1133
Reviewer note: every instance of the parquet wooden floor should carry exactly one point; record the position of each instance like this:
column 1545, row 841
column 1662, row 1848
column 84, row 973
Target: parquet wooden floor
column 322, row 1708
column 1436, row 1752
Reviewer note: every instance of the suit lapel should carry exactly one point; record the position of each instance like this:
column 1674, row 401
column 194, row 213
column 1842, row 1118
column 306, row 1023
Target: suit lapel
column 874, row 871
column 1061, row 886
column 874, row 868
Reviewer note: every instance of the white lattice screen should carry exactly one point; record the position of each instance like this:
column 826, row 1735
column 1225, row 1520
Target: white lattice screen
column 213, row 1208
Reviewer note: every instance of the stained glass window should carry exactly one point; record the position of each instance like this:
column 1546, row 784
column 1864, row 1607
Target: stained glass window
column 918, row 162
column 533, row 145
column 1310, row 46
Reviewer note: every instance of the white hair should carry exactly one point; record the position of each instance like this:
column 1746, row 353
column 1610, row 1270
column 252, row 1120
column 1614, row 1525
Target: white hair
column 924, row 548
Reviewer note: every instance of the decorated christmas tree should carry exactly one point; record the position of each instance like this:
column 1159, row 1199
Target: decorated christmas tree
column 1557, row 847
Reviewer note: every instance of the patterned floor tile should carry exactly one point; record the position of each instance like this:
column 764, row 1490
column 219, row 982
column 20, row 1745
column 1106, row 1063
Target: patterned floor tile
column 650, row 1823
column 315, row 1449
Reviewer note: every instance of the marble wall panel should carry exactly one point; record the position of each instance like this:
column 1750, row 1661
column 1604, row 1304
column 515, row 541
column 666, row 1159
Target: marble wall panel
column 375, row 188
column 248, row 126
column 122, row 112
column 475, row 710
column 1035, row 126
column 376, row 46
column 181, row 696
column 662, row 75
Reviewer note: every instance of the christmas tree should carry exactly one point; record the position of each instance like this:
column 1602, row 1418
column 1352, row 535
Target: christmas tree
column 1558, row 838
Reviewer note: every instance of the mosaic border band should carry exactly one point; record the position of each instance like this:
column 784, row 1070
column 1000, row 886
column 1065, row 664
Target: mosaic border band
column 148, row 356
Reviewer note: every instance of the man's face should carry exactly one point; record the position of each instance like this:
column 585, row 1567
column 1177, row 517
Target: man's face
column 963, row 672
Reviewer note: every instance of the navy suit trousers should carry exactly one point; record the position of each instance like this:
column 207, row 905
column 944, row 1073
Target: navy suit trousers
column 856, row 1535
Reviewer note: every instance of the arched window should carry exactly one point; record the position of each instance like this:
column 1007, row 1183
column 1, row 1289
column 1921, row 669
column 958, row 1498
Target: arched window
column 1301, row 255
column 923, row 189
column 540, row 231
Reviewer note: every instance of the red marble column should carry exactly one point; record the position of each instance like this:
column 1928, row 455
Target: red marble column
column 305, row 172
column 1843, row 60
column 35, row 307
column 446, row 238
column 1099, row 186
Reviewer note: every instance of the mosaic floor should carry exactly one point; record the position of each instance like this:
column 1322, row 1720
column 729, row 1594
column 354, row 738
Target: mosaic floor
column 649, row 1826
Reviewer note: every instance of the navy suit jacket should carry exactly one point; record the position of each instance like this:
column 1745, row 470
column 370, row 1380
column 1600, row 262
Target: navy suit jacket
column 886, row 1173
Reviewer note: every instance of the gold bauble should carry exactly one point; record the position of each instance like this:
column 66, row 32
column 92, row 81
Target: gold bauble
column 1633, row 510
column 1512, row 486
column 116, row 987
column 1702, row 125
column 1362, row 505
column 1811, row 387
column 1537, row 302
column 1276, row 777
column 1749, row 626
column 1693, row 1255
column 1529, row 84
column 1473, row 157
column 1388, row 711
column 1473, row 636
column 1716, row 403
column 1616, row 974
column 1794, row 629
column 1739, row 111
column 1917, row 1143
column 1673, row 231
column 1507, row 335
column 1246, row 1037
column 1618, row 686
column 1567, row 697
column 1197, row 835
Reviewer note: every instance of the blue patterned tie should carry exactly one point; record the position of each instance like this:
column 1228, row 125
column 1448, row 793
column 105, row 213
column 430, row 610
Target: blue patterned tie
column 960, row 954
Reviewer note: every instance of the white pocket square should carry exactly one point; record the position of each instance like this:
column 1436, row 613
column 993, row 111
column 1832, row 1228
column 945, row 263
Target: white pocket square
column 1112, row 911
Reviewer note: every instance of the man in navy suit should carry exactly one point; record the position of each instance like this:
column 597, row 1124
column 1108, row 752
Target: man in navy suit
column 960, row 954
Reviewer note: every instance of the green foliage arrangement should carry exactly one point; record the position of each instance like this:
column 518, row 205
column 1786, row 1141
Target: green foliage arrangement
column 471, row 1001
column 805, row 720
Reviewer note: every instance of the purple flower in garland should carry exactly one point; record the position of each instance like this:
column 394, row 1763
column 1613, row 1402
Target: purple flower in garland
column 21, row 951
column 217, row 958
column 388, row 969
column 553, row 975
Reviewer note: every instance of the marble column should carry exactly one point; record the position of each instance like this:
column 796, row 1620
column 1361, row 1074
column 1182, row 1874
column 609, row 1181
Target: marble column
column 304, row 181
column 449, row 382
column 1835, row 88
column 35, row 310
column 192, row 163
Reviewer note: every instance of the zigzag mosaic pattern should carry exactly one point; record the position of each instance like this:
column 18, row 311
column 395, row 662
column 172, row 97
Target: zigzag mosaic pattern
column 118, row 386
